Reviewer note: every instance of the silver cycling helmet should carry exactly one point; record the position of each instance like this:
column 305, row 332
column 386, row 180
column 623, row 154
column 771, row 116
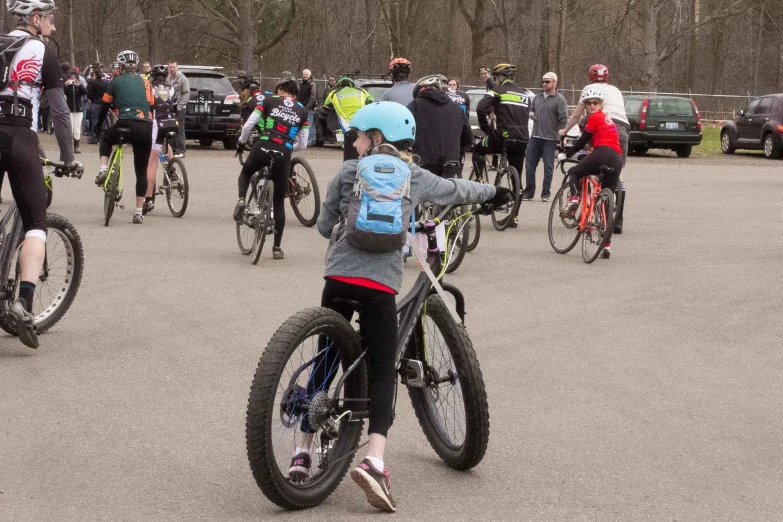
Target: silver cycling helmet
column 25, row 7
column 128, row 58
column 591, row 94
column 438, row 81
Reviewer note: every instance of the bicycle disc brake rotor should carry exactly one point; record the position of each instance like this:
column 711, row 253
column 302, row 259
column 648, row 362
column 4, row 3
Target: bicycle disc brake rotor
column 294, row 397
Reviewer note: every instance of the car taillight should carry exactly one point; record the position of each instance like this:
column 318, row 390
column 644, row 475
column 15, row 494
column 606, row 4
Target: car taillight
column 643, row 116
column 698, row 116
column 231, row 99
column 780, row 128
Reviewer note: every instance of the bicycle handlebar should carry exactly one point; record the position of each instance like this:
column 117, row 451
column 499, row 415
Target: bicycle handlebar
column 60, row 170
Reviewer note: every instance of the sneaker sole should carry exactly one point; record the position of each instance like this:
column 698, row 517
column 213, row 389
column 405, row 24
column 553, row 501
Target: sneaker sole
column 373, row 490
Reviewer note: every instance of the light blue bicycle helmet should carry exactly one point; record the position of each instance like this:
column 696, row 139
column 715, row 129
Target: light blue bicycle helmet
column 394, row 120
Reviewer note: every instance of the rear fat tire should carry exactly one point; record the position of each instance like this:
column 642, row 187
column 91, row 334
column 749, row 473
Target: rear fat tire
column 65, row 257
column 471, row 451
column 263, row 414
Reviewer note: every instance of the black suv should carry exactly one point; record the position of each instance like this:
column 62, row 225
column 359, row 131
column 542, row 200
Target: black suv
column 375, row 86
column 213, row 109
column 758, row 127
column 662, row 122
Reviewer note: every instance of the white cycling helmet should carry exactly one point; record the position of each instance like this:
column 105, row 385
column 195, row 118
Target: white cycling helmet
column 591, row 94
column 128, row 58
column 25, row 7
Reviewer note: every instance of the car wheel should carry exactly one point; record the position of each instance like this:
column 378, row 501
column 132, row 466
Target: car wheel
column 726, row 145
column 683, row 151
column 230, row 143
column 205, row 142
column 771, row 146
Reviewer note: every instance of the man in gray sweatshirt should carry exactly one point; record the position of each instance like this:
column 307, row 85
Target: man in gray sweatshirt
column 181, row 86
column 549, row 113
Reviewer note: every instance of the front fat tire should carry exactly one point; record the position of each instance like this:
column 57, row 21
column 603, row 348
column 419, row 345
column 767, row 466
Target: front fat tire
column 440, row 332
column 54, row 296
column 263, row 415
column 178, row 190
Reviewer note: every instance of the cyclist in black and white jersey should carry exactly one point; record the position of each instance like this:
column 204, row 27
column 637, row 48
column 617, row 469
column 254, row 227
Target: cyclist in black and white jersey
column 34, row 65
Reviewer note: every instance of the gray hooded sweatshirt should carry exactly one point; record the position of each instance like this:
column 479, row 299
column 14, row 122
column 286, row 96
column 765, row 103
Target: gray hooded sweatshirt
column 344, row 260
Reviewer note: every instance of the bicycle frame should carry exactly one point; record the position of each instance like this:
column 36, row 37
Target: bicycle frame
column 116, row 159
column 8, row 241
column 591, row 189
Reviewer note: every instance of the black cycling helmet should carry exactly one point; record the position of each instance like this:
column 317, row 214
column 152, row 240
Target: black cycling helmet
column 504, row 69
column 434, row 82
column 288, row 83
column 249, row 82
column 159, row 70
column 343, row 82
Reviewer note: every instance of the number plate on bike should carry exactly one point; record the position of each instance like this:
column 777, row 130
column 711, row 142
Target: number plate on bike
column 340, row 137
column 672, row 125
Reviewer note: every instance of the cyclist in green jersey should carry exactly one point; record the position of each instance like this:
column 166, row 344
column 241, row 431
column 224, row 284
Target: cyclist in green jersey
column 345, row 100
column 132, row 96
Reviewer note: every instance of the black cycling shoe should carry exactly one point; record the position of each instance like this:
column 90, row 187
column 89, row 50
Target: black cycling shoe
column 618, row 228
column 239, row 210
column 100, row 179
column 24, row 323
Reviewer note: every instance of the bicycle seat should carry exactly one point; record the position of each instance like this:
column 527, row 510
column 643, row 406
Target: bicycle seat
column 353, row 304
column 123, row 132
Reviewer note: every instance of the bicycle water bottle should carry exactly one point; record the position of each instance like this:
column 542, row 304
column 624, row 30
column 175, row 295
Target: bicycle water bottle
column 162, row 158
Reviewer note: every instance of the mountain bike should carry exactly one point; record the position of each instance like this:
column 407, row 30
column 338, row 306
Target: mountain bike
column 592, row 219
column 506, row 176
column 303, row 191
column 257, row 219
column 112, row 185
column 314, row 370
column 62, row 269
column 175, row 180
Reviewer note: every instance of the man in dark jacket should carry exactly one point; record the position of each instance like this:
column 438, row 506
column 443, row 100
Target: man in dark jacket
column 96, row 87
column 308, row 95
column 73, row 98
column 442, row 128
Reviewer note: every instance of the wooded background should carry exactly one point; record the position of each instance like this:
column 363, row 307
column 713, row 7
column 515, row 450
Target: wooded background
column 700, row 46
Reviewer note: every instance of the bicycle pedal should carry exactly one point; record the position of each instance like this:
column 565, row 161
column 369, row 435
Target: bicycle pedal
column 413, row 374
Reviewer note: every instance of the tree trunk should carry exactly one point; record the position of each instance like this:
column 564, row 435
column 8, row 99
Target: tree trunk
column 248, row 37
column 693, row 43
column 543, row 41
column 651, row 75
column 70, row 32
column 561, row 29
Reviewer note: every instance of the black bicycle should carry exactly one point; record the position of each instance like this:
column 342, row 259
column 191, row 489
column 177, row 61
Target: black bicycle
column 506, row 176
column 257, row 220
column 60, row 275
column 436, row 363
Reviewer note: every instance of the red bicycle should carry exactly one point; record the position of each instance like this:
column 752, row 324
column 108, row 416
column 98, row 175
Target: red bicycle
column 591, row 219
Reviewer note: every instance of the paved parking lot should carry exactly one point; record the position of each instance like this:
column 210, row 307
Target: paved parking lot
column 644, row 387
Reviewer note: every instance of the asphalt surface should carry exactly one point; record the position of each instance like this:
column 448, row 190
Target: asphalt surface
column 643, row 387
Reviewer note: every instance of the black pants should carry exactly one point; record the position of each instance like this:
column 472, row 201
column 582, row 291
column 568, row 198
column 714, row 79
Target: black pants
column 19, row 158
column 494, row 144
column 141, row 139
column 378, row 321
column 450, row 170
column 349, row 151
column 259, row 158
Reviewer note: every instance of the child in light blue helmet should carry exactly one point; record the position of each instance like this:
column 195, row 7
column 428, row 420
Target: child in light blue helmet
column 373, row 279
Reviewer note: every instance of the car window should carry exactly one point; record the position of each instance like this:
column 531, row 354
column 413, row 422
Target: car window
column 633, row 106
column 669, row 107
column 376, row 91
column 218, row 84
column 751, row 107
column 764, row 107
column 475, row 99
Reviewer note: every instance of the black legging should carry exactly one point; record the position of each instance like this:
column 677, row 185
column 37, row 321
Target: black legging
column 379, row 334
column 279, row 172
column 591, row 165
column 141, row 139
column 19, row 158
column 494, row 144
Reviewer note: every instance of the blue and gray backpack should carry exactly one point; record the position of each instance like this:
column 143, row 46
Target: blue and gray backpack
column 379, row 212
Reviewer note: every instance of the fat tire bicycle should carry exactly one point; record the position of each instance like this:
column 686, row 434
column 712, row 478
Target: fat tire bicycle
column 506, row 176
column 175, row 180
column 592, row 220
column 62, row 269
column 435, row 360
column 257, row 219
